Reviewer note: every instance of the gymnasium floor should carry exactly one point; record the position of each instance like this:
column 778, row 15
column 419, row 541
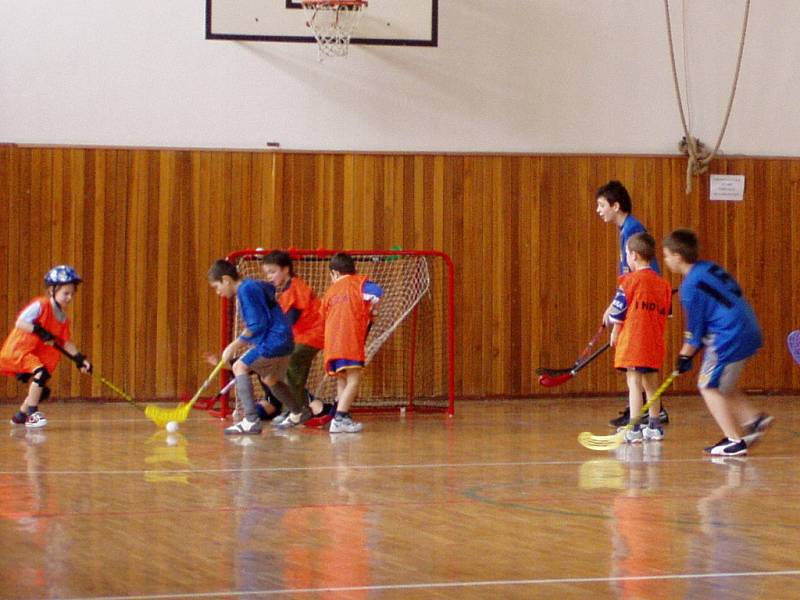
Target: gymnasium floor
column 499, row 502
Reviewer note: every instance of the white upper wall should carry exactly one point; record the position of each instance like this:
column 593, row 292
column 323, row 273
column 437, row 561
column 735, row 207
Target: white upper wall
column 516, row 76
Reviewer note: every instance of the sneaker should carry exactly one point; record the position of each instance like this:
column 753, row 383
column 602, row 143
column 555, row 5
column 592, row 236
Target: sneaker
column 632, row 436
column 323, row 418
column 19, row 418
column 727, row 447
column 293, row 420
column 663, row 415
column 755, row 430
column 280, row 418
column 35, row 420
column 653, row 434
column 622, row 419
column 345, row 425
column 244, row 427
column 625, row 416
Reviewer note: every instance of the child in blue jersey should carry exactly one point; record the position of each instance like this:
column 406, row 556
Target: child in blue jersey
column 719, row 319
column 263, row 347
column 614, row 205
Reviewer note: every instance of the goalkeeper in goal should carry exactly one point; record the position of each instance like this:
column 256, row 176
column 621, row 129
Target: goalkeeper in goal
column 348, row 307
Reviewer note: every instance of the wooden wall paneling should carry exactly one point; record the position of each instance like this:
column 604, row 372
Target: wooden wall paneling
column 469, row 299
column 749, row 269
column 261, row 163
column 83, row 245
column 99, row 273
column 348, row 201
column 134, row 261
column 419, row 196
column 478, row 260
column 549, row 354
column 289, row 219
column 142, row 226
column 179, row 279
column 525, row 259
column 115, row 218
column 71, row 253
column 312, row 216
column 454, row 211
column 200, row 225
column 791, row 262
column 231, row 223
column 779, row 254
column 167, row 204
column 484, row 202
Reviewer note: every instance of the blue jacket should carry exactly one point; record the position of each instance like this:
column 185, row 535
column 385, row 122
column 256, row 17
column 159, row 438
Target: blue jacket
column 270, row 331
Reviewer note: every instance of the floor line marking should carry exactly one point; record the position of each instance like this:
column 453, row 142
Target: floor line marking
column 450, row 584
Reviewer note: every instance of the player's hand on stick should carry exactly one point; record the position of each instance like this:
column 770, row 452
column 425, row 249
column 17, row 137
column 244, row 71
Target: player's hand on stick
column 83, row 364
column 211, row 358
column 684, row 363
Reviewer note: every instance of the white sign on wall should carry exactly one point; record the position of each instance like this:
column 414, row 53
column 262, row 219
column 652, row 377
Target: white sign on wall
column 727, row 187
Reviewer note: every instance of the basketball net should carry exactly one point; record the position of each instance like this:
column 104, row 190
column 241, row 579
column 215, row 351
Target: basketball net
column 333, row 22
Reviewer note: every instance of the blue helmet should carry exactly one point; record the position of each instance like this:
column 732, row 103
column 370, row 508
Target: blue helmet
column 62, row 275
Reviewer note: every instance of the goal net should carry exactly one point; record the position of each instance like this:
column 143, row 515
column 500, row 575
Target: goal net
column 410, row 345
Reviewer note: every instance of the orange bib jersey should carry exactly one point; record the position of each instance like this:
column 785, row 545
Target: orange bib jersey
column 25, row 352
column 309, row 329
column 642, row 304
column 347, row 317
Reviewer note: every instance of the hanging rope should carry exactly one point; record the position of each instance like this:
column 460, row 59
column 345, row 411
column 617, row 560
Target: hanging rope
column 699, row 157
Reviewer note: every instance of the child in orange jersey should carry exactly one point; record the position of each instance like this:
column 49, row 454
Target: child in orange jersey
column 347, row 307
column 639, row 313
column 28, row 352
column 302, row 307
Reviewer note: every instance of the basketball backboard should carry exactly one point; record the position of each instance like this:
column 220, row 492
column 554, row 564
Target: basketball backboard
column 385, row 22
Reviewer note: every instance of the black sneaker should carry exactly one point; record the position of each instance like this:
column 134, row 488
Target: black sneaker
column 663, row 415
column 622, row 419
column 727, row 447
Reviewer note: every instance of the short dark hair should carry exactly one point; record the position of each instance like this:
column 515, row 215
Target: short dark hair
column 643, row 244
column 343, row 263
column 685, row 243
column 223, row 267
column 280, row 258
column 615, row 193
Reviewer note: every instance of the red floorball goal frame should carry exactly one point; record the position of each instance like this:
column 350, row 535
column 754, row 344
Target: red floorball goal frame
column 410, row 347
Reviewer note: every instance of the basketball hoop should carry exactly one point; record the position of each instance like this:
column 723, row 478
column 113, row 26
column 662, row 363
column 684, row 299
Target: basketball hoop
column 333, row 22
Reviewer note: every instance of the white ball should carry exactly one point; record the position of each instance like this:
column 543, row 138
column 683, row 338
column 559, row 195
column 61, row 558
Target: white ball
column 172, row 426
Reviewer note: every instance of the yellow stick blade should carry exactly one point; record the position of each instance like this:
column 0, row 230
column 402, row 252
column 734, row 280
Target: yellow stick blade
column 601, row 442
column 162, row 416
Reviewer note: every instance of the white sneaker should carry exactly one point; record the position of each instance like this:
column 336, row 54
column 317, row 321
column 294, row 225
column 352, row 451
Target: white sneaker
column 632, row 436
column 244, row 427
column 345, row 425
column 653, row 434
column 280, row 418
column 35, row 420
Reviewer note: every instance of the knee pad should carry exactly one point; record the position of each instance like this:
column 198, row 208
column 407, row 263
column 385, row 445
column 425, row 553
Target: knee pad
column 24, row 377
column 40, row 376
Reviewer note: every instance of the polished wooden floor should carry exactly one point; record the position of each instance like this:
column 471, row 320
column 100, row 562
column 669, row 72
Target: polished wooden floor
column 499, row 502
